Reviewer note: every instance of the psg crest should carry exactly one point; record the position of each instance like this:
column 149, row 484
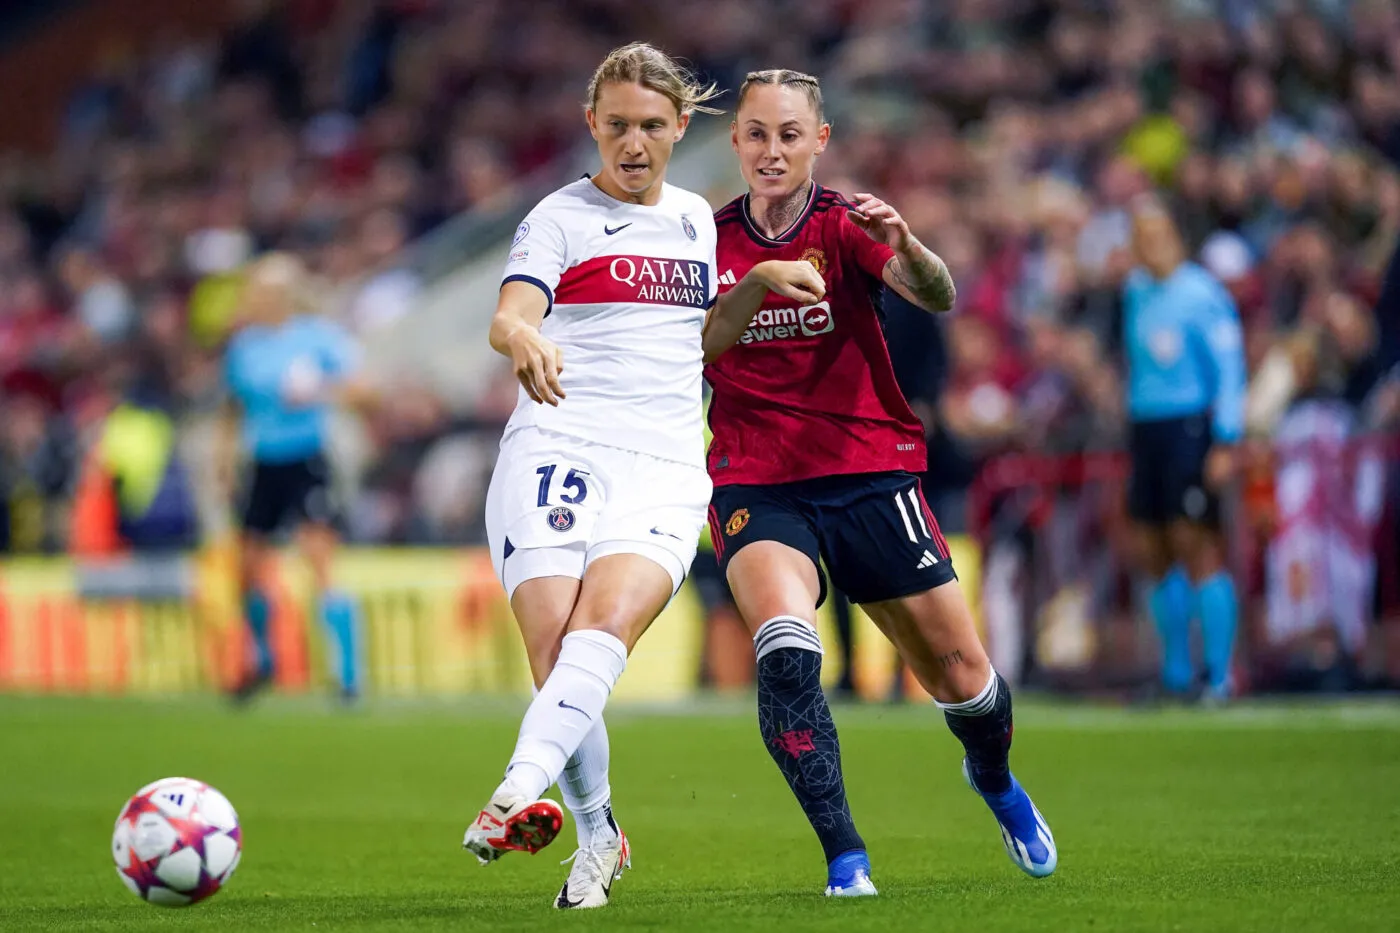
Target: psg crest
column 560, row 518
column 687, row 226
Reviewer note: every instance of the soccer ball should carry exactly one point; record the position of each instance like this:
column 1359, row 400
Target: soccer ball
column 176, row 842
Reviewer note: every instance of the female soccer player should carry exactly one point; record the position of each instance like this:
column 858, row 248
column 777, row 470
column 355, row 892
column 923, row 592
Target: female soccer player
column 284, row 370
column 815, row 456
column 600, row 490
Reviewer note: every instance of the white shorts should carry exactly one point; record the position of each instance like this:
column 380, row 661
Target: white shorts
column 557, row 503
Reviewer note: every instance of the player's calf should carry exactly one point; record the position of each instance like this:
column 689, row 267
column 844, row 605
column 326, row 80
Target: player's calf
column 799, row 733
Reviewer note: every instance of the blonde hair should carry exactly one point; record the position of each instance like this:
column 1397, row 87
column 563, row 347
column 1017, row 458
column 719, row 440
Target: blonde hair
column 784, row 77
column 653, row 69
column 283, row 275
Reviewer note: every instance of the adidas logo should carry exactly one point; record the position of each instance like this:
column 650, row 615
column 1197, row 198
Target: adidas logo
column 727, row 278
column 928, row 560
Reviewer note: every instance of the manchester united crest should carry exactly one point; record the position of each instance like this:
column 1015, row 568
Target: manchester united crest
column 736, row 522
column 816, row 257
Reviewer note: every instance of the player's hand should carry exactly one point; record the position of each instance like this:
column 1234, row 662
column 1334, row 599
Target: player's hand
column 881, row 222
column 798, row 280
column 1219, row 467
column 538, row 363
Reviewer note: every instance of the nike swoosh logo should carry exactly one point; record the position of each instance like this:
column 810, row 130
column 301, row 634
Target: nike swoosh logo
column 563, row 705
column 664, row 534
column 501, row 808
column 611, row 230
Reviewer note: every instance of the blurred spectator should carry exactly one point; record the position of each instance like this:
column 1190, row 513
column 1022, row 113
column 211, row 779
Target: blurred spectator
column 100, row 300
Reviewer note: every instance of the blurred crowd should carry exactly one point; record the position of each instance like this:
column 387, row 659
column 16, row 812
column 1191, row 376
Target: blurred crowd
column 1013, row 134
column 339, row 130
column 1015, row 137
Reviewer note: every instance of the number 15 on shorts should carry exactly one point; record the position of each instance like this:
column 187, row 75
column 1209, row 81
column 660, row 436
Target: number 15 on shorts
column 574, row 487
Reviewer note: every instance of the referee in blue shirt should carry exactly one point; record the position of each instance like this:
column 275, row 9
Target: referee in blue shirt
column 285, row 369
column 1186, row 389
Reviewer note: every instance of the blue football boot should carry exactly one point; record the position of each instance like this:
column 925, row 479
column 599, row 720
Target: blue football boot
column 1024, row 831
column 848, row 875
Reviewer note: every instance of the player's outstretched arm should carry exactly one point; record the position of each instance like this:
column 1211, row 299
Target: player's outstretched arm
column 916, row 272
column 734, row 310
column 515, row 333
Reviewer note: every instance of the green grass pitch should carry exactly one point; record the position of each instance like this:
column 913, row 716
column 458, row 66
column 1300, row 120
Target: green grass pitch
column 1270, row 818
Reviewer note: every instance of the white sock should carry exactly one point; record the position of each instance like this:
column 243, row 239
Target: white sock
column 567, row 708
column 785, row 632
column 979, row 705
column 584, row 786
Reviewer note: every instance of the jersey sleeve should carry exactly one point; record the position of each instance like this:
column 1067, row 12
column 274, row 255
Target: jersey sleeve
column 1219, row 323
column 539, row 253
column 871, row 257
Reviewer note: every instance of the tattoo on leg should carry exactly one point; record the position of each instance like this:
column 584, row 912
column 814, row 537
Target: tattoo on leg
column 948, row 660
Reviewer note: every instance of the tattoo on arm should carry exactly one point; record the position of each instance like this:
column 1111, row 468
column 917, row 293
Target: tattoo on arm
column 927, row 278
column 948, row 660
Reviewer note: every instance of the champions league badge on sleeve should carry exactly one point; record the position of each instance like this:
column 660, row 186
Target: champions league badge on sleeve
column 560, row 518
column 687, row 226
column 522, row 231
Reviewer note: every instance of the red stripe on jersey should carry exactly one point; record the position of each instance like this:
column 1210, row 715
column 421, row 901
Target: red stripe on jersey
column 940, row 542
column 636, row 279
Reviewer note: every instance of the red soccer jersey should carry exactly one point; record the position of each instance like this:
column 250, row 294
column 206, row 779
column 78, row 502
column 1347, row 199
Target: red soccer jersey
column 808, row 391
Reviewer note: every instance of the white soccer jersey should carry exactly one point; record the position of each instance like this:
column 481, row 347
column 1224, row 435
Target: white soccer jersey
column 628, row 288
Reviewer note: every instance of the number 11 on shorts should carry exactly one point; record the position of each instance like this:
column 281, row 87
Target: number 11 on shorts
column 573, row 482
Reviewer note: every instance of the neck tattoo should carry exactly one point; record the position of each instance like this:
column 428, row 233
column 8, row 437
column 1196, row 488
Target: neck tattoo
column 778, row 216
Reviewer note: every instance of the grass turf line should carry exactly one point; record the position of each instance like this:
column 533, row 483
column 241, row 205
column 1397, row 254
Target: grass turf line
column 1257, row 818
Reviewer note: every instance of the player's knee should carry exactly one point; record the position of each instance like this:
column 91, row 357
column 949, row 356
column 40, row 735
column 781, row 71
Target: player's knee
column 615, row 620
column 964, row 680
column 1150, row 552
column 1195, row 547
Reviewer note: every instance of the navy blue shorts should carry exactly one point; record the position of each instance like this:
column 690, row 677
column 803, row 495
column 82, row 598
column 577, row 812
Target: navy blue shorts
column 1168, row 481
column 288, row 494
column 874, row 531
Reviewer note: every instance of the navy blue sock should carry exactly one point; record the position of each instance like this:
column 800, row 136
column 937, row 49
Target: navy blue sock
column 800, row 735
column 983, row 725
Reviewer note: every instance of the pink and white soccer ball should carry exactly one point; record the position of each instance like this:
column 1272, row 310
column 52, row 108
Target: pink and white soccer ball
column 176, row 842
